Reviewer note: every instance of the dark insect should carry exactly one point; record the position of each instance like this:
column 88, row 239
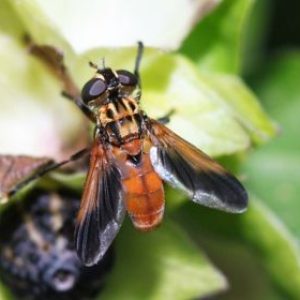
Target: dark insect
column 130, row 158
column 37, row 255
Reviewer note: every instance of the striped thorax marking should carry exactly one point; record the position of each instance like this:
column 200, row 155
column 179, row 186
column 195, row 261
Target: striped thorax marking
column 121, row 119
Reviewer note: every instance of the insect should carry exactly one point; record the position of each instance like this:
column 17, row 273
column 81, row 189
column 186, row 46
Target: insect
column 130, row 158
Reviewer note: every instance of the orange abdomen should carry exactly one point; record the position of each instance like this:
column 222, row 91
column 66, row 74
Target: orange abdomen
column 143, row 194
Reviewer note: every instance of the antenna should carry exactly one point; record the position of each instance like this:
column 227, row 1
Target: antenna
column 103, row 62
column 138, row 58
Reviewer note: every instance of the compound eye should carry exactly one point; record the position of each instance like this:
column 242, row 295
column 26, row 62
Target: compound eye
column 93, row 89
column 126, row 78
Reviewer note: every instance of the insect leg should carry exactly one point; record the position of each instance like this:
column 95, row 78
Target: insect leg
column 49, row 167
column 81, row 105
column 54, row 60
column 166, row 118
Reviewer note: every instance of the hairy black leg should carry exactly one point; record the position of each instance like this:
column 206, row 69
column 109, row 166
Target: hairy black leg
column 166, row 118
column 46, row 169
column 54, row 60
column 81, row 105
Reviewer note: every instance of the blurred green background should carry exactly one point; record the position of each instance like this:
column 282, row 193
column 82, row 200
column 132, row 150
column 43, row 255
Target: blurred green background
column 235, row 84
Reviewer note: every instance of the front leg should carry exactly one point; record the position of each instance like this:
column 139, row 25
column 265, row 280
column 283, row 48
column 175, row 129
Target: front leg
column 81, row 105
column 166, row 118
column 46, row 168
column 54, row 60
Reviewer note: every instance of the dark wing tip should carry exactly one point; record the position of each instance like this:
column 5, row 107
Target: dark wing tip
column 237, row 194
column 92, row 241
column 95, row 232
column 221, row 191
column 87, row 243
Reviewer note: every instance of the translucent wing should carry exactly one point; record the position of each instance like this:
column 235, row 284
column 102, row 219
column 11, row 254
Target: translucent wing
column 102, row 211
column 184, row 166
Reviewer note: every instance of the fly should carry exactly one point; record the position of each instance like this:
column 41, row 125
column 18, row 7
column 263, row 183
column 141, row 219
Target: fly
column 130, row 158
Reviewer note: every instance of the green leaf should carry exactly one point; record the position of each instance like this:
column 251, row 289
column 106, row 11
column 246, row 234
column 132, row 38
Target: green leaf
column 255, row 35
column 275, row 245
column 259, row 230
column 244, row 104
column 215, row 43
column 201, row 115
column 9, row 21
column 163, row 264
column 273, row 171
column 247, row 278
column 4, row 293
